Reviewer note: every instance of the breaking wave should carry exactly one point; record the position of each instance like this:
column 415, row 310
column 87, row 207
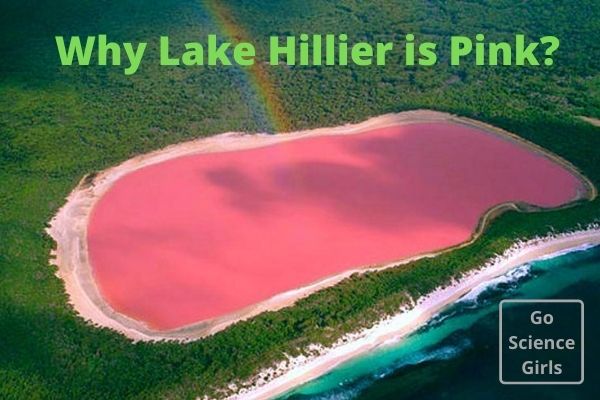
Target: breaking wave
column 350, row 389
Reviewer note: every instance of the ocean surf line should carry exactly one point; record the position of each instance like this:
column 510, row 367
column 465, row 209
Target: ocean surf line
column 450, row 355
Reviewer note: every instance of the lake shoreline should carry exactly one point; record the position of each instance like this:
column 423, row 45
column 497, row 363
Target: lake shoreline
column 69, row 226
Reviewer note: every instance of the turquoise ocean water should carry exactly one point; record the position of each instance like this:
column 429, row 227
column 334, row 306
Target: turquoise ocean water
column 455, row 356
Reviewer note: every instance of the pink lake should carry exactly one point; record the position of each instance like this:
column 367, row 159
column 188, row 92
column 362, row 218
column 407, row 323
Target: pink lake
column 201, row 236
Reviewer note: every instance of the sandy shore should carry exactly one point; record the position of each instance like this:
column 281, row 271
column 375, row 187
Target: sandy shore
column 69, row 226
column 299, row 370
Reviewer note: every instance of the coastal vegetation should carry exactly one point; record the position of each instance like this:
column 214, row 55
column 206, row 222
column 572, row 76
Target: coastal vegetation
column 59, row 124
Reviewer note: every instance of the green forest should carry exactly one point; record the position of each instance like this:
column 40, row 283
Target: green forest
column 59, row 124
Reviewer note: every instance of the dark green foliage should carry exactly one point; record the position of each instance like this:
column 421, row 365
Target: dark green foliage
column 58, row 124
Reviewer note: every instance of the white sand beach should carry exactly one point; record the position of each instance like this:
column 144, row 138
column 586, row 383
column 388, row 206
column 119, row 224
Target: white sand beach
column 296, row 371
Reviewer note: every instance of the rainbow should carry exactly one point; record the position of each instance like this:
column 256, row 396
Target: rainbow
column 259, row 78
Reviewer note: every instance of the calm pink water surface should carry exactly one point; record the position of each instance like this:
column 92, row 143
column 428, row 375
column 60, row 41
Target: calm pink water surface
column 201, row 236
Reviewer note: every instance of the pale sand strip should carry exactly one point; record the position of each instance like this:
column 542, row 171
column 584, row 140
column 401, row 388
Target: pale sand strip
column 296, row 371
column 590, row 120
column 69, row 227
